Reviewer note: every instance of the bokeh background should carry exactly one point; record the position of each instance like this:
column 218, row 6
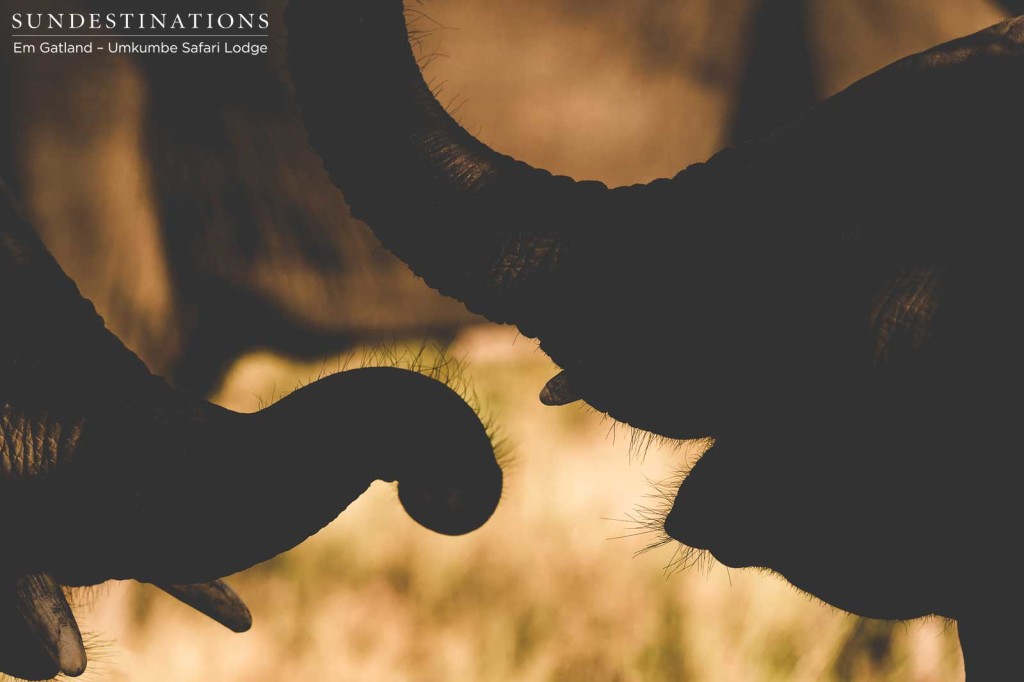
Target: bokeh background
column 182, row 199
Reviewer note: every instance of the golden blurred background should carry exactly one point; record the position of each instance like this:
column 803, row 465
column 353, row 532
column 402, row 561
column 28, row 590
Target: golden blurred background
column 618, row 90
column 548, row 589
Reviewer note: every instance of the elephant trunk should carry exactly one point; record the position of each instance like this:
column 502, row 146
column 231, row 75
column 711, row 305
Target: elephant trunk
column 108, row 472
column 503, row 237
column 560, row 259
column 183, row 491
column 114, row 474
column 679, row 306
column 34, row 445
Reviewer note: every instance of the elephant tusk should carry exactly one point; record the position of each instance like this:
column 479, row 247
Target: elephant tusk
column 216, row 600
column 45, row 610
column 559, row 391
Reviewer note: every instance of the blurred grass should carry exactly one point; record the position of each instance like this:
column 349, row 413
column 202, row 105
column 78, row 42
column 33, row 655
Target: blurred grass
column 542, row 592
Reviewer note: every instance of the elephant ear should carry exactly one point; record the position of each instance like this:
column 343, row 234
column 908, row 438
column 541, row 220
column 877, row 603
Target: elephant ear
column 53, row 343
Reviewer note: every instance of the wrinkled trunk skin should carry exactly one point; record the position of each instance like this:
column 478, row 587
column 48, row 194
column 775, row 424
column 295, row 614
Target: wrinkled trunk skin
column 75, row 479
column 833, row 303
column 34, row 445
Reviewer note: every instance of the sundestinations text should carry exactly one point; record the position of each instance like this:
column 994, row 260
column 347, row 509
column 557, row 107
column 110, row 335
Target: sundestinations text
column 127, row 21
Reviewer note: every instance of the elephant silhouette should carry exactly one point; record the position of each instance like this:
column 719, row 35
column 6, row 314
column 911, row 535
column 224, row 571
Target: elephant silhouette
column 107, row 472
column 832, row 304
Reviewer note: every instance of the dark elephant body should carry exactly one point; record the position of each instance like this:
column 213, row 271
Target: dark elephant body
column 108, row 472
column 833, row 304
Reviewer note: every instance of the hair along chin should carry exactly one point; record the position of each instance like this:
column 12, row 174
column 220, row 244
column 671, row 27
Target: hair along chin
column 648, row 517
column 642, row 440
column 648, row 520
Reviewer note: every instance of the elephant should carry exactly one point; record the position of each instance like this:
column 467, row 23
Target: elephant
column 224, row 223
column 181, row 196
column 830, row 305
column 107, row 472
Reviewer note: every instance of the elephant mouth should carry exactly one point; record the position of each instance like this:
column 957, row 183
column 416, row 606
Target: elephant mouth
column 688, row 525
column 709, row 513
column 740, row 520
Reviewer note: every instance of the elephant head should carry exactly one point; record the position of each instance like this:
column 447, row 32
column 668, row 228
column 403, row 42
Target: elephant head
column 107, row 472
column 832, row 304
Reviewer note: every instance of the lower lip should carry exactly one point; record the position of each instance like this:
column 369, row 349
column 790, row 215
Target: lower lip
column 733, row 559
